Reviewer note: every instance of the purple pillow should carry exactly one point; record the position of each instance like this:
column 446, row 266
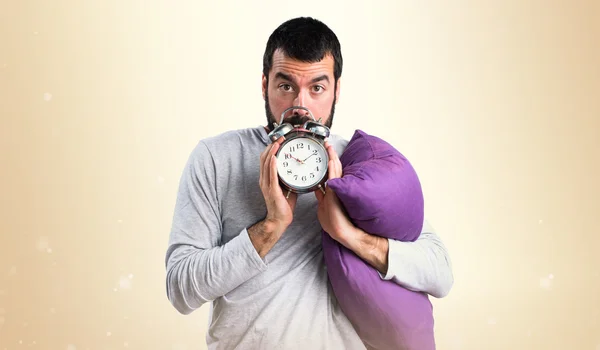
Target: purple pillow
column 382, row 195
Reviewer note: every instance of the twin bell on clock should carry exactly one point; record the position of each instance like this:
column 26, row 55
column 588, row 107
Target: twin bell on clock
column 302, row 158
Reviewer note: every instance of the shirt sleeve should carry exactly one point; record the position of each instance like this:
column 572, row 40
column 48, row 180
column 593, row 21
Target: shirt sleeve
column 422, row 266
column 198, row 267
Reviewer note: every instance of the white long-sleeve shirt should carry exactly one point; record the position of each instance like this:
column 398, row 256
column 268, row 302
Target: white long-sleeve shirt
column 283, row 301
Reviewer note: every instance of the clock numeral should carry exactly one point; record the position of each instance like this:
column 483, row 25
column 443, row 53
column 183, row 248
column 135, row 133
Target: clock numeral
column 317, row 169
column 312, row 175
column 292, row 148
column 303, row 178
column 300, row 145
column 319, row 160
column 295, row 177
column 289, row 171
column 314, row 151
column 309, row 147
column 285, row 164
column 287, row 156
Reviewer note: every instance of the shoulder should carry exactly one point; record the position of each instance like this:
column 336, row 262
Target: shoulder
column 254, row 134
column 231, row 140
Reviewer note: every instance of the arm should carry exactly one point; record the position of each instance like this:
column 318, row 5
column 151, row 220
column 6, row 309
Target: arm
column 199, row 269
column 423, row 265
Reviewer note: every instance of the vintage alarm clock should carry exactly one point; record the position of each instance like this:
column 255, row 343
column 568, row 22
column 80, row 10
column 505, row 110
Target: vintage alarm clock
column 302, row 158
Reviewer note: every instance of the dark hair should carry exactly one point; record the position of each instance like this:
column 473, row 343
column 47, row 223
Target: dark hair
column 305, row 39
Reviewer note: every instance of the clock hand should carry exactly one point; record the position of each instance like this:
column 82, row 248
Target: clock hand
column 299, row 161
column 308, row 157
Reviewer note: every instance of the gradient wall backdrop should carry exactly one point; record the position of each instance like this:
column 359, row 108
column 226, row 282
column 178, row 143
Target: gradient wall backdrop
column 497, row 105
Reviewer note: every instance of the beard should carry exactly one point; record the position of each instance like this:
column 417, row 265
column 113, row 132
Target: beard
column 294, row 119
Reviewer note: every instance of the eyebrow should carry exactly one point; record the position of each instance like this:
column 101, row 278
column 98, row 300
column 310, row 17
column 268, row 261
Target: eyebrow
column 319, row 78
column 287, row 77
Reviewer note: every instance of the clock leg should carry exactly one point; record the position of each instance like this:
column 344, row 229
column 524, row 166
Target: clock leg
column 321, row 188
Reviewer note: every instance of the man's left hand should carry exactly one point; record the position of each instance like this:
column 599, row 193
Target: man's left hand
column 371, row 248
column 330, row 212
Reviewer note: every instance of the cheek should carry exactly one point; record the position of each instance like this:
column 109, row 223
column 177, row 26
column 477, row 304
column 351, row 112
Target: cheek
column 278, row 103
column 325, row 103
column 323, row 106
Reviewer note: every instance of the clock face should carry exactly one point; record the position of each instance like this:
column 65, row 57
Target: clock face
column 302, row 162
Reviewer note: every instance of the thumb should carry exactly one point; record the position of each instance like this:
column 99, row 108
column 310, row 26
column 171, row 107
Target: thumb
column 319, row 195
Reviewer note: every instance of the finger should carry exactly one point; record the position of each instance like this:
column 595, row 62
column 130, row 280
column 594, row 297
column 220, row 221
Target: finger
column 275, row 148
column 331, row 151
column 278, row 142
column 333, row 196
column 337, row 164
column 319, row 196
column 266, row 169
column 269, row 148
column 263, row 156
column 265, row 152
column 265, row 163
column 268, row 159
column 273, row 172
column 338, row 167
column 333, row 159
column 273, row 166
column 337, row 204
column 273, row 151
column 334, row 169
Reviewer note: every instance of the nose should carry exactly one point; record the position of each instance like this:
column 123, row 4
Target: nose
column 301, row 101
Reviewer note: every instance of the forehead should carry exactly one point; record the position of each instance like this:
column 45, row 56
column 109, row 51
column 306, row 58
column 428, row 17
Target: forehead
column 284, row 64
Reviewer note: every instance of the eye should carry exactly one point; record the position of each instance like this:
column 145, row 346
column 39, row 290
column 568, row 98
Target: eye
column 285, row 87
column 318, row 88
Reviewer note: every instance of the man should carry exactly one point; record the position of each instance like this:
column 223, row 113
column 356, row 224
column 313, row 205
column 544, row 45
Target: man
column 239, row 243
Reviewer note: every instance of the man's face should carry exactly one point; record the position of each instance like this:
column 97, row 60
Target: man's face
column 296, row 83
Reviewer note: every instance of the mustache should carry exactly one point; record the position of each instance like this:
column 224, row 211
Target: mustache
column 296, row 119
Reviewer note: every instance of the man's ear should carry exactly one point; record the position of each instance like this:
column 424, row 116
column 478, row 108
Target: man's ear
column 264, row 86
column 337, row 90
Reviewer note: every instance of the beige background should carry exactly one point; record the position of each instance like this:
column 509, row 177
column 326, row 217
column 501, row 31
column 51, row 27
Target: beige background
column 497, row 105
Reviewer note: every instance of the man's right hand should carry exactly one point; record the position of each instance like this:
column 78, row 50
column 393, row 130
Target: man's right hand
column 280, row 210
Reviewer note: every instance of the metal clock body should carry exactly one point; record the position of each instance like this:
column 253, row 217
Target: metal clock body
column 302, row 158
